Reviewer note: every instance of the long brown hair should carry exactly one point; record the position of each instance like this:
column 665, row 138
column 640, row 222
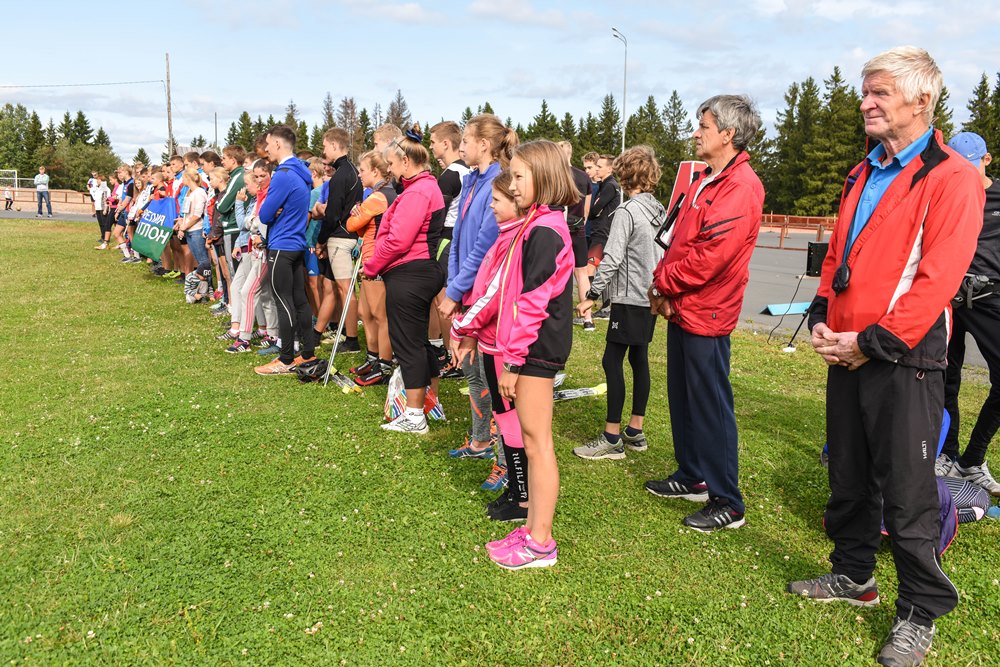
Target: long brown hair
column 503, row 140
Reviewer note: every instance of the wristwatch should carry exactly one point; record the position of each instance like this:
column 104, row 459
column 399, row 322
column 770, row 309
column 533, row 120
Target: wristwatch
column 512, row 368
column 593, row 296
column 655, row 292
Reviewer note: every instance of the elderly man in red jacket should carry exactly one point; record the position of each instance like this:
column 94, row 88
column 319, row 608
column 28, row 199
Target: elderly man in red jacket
column 699, row 286
column 909, row 218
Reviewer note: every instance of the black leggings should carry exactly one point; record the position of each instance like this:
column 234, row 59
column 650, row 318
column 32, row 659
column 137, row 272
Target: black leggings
column 286, row 270
column 105, row 220
column 638, row 359
column 409, row 294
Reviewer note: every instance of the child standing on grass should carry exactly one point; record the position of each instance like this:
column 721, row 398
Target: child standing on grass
column 477, row 328
column 626, row 271
column 534, row 336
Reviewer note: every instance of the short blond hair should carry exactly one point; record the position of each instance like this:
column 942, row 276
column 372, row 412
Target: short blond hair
column 914, row 73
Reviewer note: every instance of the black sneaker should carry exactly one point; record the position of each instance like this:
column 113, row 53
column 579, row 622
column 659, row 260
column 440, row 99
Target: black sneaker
column 500, row 500
column 452, row 373
column 365, row 368
column 378, row 374
column 907, row 644
column 671, row 488
column 508, row 512
column 603, row 313
column 717, row 513
column 349, row 346
column 830, row 587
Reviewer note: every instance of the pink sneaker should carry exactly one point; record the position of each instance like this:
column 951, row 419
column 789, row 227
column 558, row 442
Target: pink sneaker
column 515, row 536
column 525, row 554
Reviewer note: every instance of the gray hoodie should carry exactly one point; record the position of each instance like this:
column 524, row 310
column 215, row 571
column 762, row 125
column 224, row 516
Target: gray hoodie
column 630, row 255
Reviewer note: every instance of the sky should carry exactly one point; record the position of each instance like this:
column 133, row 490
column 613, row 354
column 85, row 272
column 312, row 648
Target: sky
column 256, row 55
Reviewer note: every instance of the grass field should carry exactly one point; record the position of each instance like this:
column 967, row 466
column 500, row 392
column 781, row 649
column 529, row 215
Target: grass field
column 161, row 504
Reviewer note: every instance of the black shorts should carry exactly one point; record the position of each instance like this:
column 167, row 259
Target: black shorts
column 444, row 250
column 579, row 249
column 630, row 325
column 325, row 269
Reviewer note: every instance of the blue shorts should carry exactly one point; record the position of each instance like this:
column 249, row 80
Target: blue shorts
column 312, row 263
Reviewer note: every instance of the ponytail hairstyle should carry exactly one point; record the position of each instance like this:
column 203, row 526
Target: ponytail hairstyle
column 550, row 174
column 376, row 162
column 503, row 140
column 411, row 146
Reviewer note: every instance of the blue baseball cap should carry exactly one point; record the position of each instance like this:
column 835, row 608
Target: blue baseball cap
column 969, row 145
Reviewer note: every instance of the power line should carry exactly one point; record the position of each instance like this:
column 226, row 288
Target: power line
column 82, row 85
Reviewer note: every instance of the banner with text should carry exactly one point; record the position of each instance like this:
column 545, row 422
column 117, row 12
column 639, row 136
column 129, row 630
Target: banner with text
column 155, row 227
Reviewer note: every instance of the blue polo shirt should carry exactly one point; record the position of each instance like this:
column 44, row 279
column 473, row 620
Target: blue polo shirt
column 879, row 180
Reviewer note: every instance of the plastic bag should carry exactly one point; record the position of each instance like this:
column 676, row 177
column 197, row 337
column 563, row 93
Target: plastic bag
column 395, row 399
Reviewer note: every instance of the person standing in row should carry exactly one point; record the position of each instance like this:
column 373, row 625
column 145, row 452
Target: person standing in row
column 42, row 191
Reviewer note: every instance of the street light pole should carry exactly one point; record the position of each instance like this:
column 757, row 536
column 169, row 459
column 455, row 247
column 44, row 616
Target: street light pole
column 619, row 36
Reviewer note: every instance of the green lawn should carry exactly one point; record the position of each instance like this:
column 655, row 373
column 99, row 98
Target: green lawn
column 160, row 503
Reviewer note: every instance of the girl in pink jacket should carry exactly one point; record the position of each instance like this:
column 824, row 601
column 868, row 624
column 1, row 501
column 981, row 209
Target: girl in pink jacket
column 528, row 293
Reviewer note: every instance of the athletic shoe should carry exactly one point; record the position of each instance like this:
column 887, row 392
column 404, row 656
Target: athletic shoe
column 824, row 457
column 499, row 501
column 978, row 475
column 268, row 351
column 603, row 313
column 907, row 644
column 589, row 326
column 578, row 321
column 508, row 511
column 528, row 553
column 943, row 465
column 135, row 260
column 515, row 536
column 467, row 452
column 239, row 346
column 172, row 274
column 124, row 260
column 101, row 246
column 329, row 337
column 365, row 368
column 275, row 367
column 229, row 335
column 256, row 335
column 299, row 360
column 379, row 374
column 348, row 346
column 220, row 312
column 831, row 587
column 407, row 424
column 497, row 479
column 637, row 443
column 717, row 513
column 451, row 373
column 266, row 341
column 599, row 448
column 671, row 488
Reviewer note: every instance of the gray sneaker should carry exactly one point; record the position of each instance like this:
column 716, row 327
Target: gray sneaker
column 906, row 645
column 599, row 448
column 830, row 587
column 943, row 465
column 978, row 475
column 637, row 443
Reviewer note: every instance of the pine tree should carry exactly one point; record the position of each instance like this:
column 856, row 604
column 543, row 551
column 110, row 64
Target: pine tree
column 329, row 118
column 834, row 146
column 233, row 134
column 34, row 135
column 316, row 140
column 466, row 117
column 258, row 127
column 51, row 134
column 942, row 115
column 66, row 129
column 347, row 119
column 778, row 181
column 677, row 144
column 992, row 136
column 302, row 136
column 609, row 127
column 399, row 112
column 980, row 109
column 487, row 108
column 587, row 134
column 141, row 156
column 101, row 138
column 270, row 122
column 83, row 133
column 245, row 132
column 645, row 126
column 544, row 125
column 199, row 142
column 292, row 114
column 365, row 129
column 377, row 120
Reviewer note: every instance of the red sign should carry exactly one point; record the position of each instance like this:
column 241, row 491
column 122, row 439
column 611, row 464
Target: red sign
column 687, row 171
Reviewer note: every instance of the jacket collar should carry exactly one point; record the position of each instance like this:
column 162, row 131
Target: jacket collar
column 407, row 182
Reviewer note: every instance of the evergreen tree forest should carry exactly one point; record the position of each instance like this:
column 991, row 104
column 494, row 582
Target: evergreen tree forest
column 817, row 137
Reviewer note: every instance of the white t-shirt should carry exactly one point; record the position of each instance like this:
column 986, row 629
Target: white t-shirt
column 100, row 193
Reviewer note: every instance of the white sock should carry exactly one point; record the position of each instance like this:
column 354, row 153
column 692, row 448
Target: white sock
column 415, row 413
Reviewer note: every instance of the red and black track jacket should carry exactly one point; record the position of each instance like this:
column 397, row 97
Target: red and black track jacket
column 908, row 261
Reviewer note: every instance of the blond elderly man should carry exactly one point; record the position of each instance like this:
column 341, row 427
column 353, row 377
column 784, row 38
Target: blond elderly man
column 909, row 218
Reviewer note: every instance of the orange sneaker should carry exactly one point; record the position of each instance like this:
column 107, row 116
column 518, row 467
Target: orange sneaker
column 299, row 360
column 275, row 367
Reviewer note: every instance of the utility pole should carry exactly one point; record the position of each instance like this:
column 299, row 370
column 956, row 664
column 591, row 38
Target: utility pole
column 170, row 115
column 619, row 36
column 216, row 130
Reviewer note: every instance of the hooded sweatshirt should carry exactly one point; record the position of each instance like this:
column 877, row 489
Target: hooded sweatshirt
column 475, row 231
column 630, row 254
column 285, row 210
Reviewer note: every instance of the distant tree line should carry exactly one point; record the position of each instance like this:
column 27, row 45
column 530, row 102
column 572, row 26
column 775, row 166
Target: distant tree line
column 69, row 150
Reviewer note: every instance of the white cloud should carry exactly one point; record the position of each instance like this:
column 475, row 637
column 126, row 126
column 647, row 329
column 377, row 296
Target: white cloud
column 769, row 7
column 519, row 12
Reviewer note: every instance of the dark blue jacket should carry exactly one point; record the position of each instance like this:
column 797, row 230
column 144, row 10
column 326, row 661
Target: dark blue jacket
column 285, row 210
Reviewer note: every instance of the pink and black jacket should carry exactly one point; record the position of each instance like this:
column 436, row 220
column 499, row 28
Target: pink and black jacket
column 522, row 301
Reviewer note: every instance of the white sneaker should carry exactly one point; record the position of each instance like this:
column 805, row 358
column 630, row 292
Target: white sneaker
column 978, row 475
column 943, row 465
column 407, row 424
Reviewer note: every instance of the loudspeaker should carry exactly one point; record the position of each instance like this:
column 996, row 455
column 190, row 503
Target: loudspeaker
column 814, row 258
